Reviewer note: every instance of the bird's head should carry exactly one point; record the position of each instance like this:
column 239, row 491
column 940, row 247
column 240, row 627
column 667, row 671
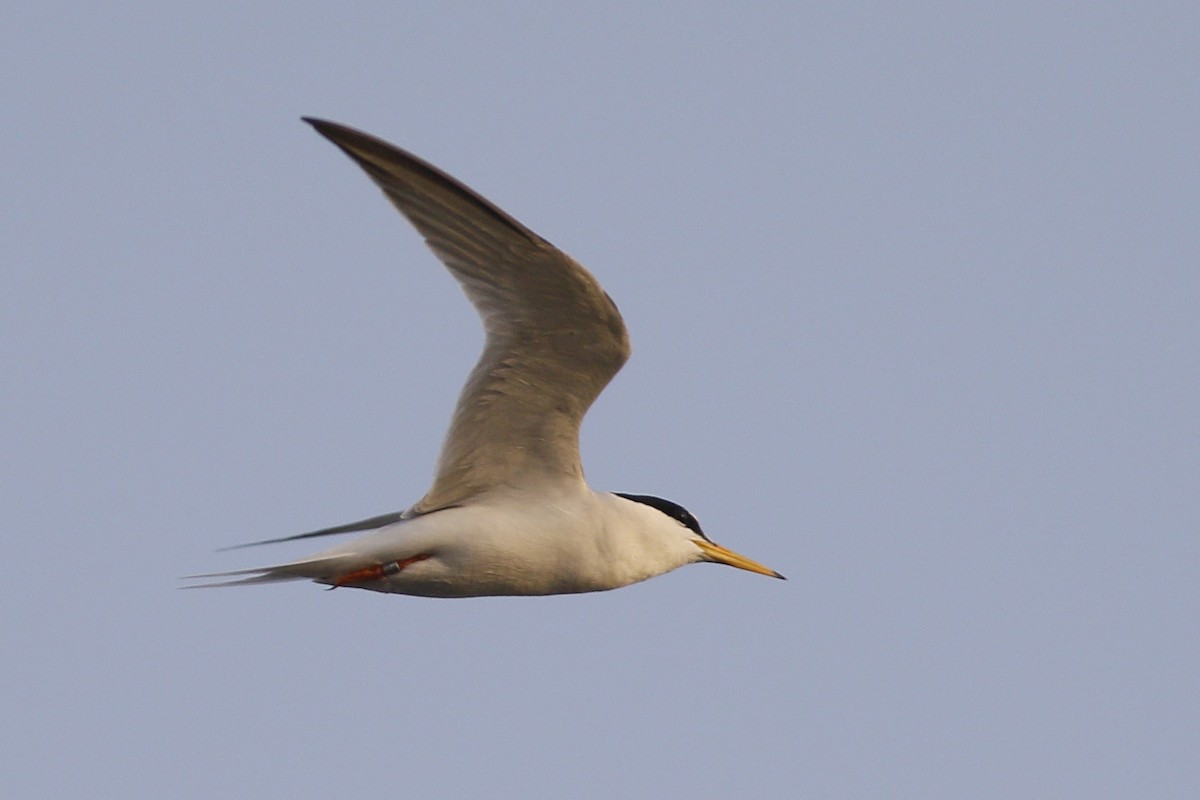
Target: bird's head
column 689, row 527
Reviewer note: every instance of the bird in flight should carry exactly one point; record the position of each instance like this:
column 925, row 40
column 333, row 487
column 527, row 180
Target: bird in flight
column 509, row 512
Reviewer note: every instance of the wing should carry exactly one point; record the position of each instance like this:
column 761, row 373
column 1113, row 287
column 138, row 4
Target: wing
column 554, row 337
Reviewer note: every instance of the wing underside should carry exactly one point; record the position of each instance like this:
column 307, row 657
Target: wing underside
column 554, row 337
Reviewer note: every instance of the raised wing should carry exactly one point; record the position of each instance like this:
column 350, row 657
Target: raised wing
column 554, row 337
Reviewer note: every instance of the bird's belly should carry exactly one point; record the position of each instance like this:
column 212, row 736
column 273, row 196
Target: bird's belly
column 526, row 548
column 497, row 565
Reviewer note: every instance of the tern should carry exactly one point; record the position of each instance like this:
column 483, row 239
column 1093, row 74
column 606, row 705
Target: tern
column 509, row 512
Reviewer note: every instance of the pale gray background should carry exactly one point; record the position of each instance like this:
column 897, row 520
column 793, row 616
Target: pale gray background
column 913, row 294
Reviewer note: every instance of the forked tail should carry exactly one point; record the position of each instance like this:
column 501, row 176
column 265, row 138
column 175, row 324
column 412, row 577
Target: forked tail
column 321, row 568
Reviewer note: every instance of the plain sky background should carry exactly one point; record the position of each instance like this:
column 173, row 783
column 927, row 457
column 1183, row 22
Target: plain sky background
column 913, row 291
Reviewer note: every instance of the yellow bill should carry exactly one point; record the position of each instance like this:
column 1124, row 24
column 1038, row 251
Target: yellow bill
column 723, row 555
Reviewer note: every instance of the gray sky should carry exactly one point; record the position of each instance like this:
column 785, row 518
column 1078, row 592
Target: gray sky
column 913, row 296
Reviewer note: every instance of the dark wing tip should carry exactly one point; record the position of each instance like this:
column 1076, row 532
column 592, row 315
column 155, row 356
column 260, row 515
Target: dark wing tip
column 384, row 162
column 330, row 129
column 348, row 138
column 350, row 527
